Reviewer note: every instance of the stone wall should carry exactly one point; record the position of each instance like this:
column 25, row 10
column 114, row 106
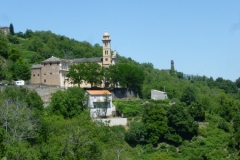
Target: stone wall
column 113, row 121
column 44, row 92
column 124, row 92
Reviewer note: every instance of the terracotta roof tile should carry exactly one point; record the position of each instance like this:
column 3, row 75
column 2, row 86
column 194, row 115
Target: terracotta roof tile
column 98, row 92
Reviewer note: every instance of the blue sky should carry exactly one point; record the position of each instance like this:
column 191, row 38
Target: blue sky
column 202, row 37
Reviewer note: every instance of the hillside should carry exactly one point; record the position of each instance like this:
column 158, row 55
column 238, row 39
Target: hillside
column 200, row 120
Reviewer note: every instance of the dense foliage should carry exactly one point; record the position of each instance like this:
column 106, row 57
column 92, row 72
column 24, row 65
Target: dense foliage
column 199, row 120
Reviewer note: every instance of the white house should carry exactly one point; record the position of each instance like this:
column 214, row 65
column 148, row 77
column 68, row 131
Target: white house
column 158, row 95
column 100, row 102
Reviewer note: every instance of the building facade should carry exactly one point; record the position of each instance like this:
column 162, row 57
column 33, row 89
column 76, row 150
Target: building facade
column 53, row 70
column 5, row 30
column 158, row 95
column 100, row 103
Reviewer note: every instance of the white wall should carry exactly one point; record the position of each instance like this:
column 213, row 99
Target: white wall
column 114, row 121
column 158, row 95
column 95, row 112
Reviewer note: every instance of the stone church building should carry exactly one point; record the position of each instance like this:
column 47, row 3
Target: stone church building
column 53, row 70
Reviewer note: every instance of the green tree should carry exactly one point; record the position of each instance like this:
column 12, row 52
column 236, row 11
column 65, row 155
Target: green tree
column 36, row 58
column 73, row 138
column 2, row 73
column 227, row 107
column 68, row 103
column 155, row 122
column 131, row 76
column 136, row 133
column 161, row 156
column 222, row 124
column 111, row 75
column 94, row 74
column 238, row 82
column 20, row 34
column 18, row 121
column 189, row 95
column 77, row 73
column 30, row 98
column 2, row 145
column 14, row 54
column 227, row 85
column 28, row 34
column 196, row 110
column 236, row 121
column 22, row 150
column 236, row 127
column 33, row 100
column 180, row 124
column 78, row 51
column 13, row 39
column 36, row 44
column 11, row 29
column 3, row 45
column 45, row 52
column 21, row 70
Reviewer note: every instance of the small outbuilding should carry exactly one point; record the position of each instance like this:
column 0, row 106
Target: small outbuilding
column 100, row 103
column 158, row 95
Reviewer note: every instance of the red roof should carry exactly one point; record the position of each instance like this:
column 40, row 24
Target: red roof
column 98, row 92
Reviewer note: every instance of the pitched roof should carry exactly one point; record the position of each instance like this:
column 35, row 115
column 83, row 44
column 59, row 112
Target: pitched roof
column 36, row 66
column 98, row 92
column 3, row 27
column 52, row 59
column 96, row 59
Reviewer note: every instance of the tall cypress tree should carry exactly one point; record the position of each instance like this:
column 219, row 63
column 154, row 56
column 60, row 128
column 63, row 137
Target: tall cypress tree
column 11, row 29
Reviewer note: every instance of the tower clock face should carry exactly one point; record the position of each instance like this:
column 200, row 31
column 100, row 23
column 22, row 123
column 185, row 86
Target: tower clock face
column 106, row 59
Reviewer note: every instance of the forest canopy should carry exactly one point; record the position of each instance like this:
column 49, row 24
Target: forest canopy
column 199, row 120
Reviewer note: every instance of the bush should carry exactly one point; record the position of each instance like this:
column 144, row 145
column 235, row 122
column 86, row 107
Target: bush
column 129, row 108
column 222, row 124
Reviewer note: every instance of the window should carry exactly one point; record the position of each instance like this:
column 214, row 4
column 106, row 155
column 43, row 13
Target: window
column 38, row 74
column 50, row 63
column 44, row 73
column 44, row 80
column 51, row 73
column 57, row 63
column 33, row 74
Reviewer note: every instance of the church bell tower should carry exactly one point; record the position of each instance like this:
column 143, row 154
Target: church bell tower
column 106, row 49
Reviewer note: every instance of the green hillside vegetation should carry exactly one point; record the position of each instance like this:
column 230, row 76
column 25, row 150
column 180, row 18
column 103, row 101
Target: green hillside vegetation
column 199, row 121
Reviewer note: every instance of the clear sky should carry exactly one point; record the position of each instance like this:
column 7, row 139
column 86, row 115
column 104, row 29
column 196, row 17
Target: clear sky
column 201, row 36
